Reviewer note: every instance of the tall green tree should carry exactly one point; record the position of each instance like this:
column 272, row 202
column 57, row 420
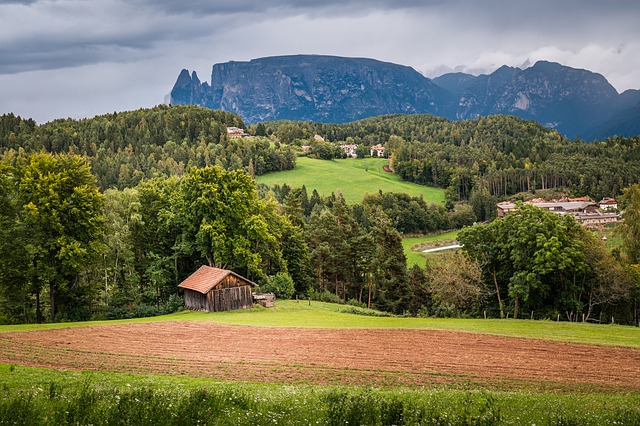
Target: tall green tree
column 629, row 229
column 62, row 210
column 390, row 268
column 220, row 218
column 15, row 285
column 122, row 211
column 534, row 254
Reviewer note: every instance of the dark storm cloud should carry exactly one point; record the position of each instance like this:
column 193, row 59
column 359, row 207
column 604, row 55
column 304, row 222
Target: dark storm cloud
column 252, row 6
column 115, row 54
column 53, row 34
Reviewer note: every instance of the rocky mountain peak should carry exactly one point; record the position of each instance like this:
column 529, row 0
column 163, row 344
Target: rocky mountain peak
column 336, row 89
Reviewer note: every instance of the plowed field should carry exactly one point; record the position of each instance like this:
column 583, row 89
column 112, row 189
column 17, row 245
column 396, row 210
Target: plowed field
column 376, row 357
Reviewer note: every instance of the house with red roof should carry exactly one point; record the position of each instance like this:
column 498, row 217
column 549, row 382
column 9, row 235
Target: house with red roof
column 214, row 290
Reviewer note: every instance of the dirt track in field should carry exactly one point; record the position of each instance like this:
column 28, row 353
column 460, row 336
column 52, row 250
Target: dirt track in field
column 376, row 357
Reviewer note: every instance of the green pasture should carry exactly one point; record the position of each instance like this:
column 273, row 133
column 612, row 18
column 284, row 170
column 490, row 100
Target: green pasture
column 38, row 396
column 417, row 257
column 304, row 313
column 353, row 177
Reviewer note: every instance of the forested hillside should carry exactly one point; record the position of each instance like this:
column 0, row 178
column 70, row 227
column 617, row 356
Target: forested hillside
column 499, row 155
column 123, row 148
column 102, row 218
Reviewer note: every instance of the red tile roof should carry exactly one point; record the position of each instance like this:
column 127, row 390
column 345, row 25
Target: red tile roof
column 206, row 277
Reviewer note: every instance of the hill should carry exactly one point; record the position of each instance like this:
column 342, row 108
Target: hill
column 353, row 177
column 506, row 154
column 331, row 89
column 123, row 148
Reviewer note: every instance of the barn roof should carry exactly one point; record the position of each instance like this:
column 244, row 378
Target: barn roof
column 207, row 277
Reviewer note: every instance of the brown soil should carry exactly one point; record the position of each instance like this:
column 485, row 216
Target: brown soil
column 375, row 357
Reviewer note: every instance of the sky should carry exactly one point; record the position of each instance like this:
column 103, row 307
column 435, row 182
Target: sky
column 81, row 58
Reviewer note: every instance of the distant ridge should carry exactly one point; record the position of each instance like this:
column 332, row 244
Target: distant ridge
column 334, row 89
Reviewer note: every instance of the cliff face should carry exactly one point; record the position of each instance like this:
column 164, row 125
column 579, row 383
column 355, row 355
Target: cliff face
column 567, row 99
column 315, row 88
column 336, row 90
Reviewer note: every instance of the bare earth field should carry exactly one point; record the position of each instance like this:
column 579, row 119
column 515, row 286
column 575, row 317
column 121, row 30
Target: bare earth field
column 365, row 357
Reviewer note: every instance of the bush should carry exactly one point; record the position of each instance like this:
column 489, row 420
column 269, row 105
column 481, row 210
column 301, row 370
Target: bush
column 175, row 303
column 354, row 302
column 142, row 311
column 281, row 284
column 324, row 296
column 119, row 313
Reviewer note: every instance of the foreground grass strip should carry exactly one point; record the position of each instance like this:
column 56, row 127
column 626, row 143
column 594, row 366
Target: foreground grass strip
column 353, row 177
column 47, row 397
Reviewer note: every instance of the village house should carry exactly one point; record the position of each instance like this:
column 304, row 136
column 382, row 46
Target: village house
column 236, row 132
column 214, row 289
column 318, row 138
column 585, row 212
column 306, row 148
column 377, row 150
column 350, row 150
column 608, row 204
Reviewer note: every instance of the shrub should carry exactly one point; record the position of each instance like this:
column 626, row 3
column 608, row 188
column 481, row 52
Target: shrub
column 142, row 311
column 175, row 303
column 119, row 313
column 324, row 296
column 354, row 302
column 281, row 284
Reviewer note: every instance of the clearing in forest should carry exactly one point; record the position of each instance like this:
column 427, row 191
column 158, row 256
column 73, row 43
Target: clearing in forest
column 353, row 177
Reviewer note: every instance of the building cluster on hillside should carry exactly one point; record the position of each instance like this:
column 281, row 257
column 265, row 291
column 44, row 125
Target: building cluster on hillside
column 377, row 150
column 586, row 211
column 236, row 132
column 350, row 150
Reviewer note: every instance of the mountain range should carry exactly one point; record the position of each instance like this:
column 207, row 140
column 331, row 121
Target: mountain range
column 332, row 89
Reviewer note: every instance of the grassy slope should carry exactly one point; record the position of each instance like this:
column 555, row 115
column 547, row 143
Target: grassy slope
column 418, row 258
column 350, row 177
column 272, row 403
column 326, row 315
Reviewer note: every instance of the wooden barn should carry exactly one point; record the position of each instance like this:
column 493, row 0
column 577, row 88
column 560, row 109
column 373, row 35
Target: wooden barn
column 213, row 290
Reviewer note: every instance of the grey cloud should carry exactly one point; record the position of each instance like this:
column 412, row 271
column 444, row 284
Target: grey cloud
column 156, row 38
column 299, row 6
column 22, row 2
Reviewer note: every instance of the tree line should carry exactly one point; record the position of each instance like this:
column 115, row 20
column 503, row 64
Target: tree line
column 72, row 248
column 125, row 148
column 70, row 252
column 502, row 154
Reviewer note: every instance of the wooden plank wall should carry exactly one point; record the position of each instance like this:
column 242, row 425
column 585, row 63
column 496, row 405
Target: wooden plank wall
column 230, row 281
column 194, row 300
column 227, row 299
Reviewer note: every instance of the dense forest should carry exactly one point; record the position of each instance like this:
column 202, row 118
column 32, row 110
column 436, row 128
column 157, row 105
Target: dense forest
column 124, row 148
column 103, row 217
column 501, row 155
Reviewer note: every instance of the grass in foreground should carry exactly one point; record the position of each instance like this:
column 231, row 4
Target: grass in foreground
column 48, row 397
column 289, row 313
column 351, row 177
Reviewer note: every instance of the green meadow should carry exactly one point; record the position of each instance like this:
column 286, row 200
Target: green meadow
column 33, row 396
column 353, row 177
column 417, row 257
